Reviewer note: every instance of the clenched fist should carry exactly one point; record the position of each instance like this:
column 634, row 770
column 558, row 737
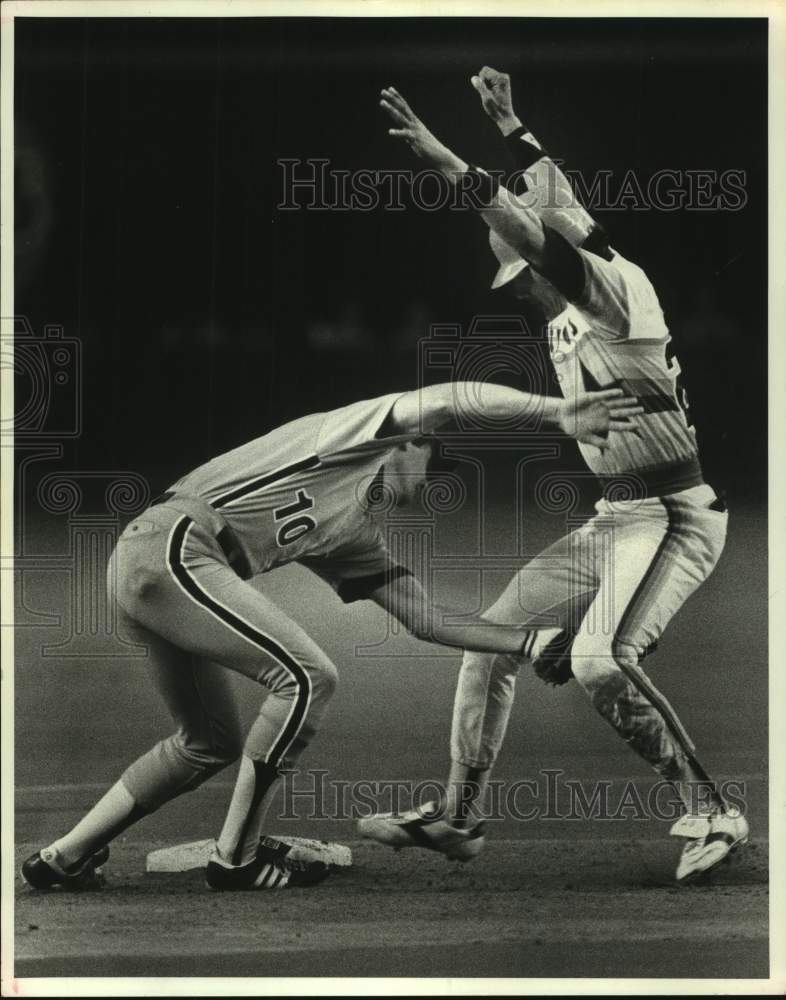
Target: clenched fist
column 494, row 90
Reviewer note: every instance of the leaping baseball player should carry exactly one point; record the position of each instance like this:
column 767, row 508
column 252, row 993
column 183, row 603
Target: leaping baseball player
column 180, row 573
column 605, row 328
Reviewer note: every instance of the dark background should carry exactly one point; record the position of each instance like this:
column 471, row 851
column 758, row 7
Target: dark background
column 147, row 222
column 147, row 227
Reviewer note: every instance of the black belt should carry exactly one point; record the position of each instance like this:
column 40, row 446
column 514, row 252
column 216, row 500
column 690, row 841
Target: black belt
column 638, row 484
column 227, row 542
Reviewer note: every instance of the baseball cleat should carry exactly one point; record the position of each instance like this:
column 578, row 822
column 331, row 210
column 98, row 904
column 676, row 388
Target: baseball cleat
column 270, row 869
column 43, row 871
column 711, row 840
column 424, row 828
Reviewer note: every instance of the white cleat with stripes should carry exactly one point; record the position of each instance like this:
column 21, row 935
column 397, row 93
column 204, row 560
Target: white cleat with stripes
column 424, row 827
column 710, row 841
column 270, row 869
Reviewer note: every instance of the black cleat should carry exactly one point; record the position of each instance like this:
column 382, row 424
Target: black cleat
column 41, row 871
column 270, row 869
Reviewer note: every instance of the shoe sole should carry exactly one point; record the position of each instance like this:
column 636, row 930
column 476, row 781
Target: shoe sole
column 371, row 829
column 265, row 888
column 272, row 884
column 697, row 877
column 464, row 850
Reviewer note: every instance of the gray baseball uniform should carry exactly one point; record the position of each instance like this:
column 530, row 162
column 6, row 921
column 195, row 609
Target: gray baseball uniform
column 180, row 571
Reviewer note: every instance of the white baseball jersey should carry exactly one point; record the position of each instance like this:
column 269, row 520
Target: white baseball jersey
column 617, row 581
column 296, row 494
column 615, row 335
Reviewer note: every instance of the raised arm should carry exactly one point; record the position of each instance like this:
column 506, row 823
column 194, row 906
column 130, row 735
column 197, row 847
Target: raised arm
column 518, row 226
column 496, row 97
column 542, row 175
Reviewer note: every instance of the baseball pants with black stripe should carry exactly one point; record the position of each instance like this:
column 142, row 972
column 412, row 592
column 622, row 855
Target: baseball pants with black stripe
column 177, row 594
column 615, row 583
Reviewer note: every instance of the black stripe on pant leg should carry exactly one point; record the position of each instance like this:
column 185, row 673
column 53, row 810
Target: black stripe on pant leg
column 264, row 642
column 635, row 675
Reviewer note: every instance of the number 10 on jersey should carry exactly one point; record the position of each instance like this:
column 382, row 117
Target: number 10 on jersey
column 296, row 523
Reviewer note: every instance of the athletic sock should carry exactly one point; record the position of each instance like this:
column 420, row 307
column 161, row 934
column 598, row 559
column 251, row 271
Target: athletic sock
column 699, row 797
column 254, row 791
column 465, row 795
column 699, row 793
column 112, row 814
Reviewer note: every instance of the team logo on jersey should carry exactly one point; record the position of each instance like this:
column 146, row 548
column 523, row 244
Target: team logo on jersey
column 565, row 332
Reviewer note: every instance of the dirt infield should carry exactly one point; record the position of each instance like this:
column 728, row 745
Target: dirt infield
column 547, row 898
column 558, row 907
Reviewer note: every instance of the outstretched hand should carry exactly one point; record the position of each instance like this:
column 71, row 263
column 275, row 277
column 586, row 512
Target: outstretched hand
column 592, row 416
column 420, row 140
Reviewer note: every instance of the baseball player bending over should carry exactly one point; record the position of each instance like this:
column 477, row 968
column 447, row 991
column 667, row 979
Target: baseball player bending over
column 605, row 328
column 179, row 575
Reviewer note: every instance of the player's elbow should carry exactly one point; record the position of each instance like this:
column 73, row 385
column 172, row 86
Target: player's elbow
column 422, row 411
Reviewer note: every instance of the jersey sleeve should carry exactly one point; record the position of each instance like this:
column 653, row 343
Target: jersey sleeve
column 354, row 425
column 355, row 571
column 619, row 299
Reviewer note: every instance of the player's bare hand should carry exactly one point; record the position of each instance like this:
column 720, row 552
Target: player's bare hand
column 592, row 416
column 495, row 96
column 420, row 140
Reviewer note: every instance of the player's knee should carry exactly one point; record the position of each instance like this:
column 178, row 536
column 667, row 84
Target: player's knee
column 223, row 756
column 593, row 664
column 600, row 669
column 208, row 757
column 227, row 746
column 319, row 679
column 626, row 655
column 503, row 666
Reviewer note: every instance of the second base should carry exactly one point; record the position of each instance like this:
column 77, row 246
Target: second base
column 195, row 854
